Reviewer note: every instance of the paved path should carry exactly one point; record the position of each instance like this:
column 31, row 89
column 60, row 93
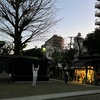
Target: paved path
column 58, row 95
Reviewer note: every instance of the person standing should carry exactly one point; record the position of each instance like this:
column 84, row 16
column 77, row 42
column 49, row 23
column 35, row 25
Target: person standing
column 35, row 74
column 66, row 77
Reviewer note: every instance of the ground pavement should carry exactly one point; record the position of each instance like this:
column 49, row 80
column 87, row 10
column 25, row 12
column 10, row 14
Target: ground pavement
column 58, row 95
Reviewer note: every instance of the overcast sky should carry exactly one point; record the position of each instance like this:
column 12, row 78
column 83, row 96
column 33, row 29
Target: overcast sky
column 76, row 16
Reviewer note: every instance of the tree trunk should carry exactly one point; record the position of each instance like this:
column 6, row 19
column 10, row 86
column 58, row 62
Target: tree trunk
column 18, row 46
column 17, row 34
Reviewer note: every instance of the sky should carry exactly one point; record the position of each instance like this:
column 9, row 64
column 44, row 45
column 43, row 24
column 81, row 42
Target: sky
column 76, row 16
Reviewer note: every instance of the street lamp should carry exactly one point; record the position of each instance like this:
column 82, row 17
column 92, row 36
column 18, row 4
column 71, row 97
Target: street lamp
column 43, row 50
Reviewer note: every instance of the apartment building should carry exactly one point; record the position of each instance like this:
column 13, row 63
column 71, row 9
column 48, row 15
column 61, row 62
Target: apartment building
column 55, row 43
column 97, row 13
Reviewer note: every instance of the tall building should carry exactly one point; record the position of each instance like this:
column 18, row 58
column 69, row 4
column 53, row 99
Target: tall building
column 97, row 13
column 55, row 43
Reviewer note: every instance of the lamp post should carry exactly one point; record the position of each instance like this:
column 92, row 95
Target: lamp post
column 43, row 50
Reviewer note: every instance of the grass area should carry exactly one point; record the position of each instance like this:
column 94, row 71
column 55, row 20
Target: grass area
column 10, row 90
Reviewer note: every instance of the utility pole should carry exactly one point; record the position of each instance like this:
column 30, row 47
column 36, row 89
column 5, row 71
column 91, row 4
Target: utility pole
column 70, row 44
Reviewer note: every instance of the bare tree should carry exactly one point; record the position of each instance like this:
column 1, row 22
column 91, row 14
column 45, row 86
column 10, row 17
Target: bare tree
column 23, row 20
